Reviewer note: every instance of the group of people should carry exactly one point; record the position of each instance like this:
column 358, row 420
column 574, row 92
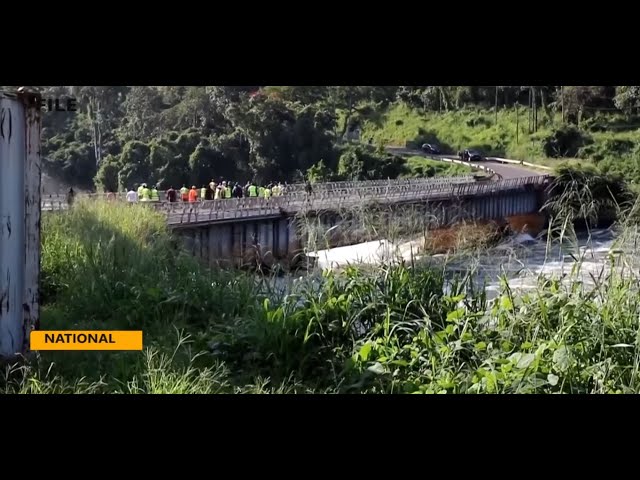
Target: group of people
column 143, row 194
column 213, row 191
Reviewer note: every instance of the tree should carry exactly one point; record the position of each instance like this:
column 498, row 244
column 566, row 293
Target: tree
column 134, row 165
column 347, row 99
column 627, row 99
column 319, row 172
column 107, row 177
column 578, row 100
column 142, row 107
column 101, row 105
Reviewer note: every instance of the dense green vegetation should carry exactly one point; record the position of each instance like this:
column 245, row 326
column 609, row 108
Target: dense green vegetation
column 398, row 329
column 390, row 329
column 612, row 150
column 180, row 134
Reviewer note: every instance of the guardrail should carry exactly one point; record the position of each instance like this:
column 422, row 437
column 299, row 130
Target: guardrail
column 477, row 166
column 519, row 162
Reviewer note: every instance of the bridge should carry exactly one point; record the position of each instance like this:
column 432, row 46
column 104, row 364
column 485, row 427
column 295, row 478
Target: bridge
column 249, row 230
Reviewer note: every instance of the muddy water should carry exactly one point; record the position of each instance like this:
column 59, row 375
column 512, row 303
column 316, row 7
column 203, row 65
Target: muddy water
column 520, row 258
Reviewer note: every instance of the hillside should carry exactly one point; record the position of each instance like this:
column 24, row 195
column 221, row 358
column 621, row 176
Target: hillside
column 173, row 135
column 610, row 142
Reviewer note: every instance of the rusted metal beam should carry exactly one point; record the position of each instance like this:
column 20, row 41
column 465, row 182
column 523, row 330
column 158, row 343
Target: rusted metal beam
column 19, row 220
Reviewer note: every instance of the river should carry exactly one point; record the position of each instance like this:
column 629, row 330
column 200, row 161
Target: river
column 520, row 259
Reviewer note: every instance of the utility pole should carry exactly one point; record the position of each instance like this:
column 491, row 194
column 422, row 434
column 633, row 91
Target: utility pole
column 497, row 105
column 517, row 123
column 530, row 110
column 535, row 110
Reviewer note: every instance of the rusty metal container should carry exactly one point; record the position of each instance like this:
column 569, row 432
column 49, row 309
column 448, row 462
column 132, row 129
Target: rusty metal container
column 20, row 178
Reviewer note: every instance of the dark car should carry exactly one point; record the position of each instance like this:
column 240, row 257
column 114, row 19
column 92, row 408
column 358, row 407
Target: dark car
column 471, row 156
column 431, row 148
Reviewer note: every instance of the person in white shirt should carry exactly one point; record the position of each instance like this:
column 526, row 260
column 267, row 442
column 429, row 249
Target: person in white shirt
column 132, row 196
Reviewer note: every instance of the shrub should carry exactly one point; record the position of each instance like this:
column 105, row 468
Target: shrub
column 565, row 141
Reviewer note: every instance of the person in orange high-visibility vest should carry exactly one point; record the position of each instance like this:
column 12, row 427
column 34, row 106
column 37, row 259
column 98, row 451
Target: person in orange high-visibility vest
column 193, row 195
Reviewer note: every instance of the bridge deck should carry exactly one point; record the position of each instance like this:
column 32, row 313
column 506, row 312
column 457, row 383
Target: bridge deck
column 334, row 198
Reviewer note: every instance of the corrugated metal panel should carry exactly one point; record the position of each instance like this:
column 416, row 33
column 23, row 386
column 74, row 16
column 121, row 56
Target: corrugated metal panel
column 20, row 179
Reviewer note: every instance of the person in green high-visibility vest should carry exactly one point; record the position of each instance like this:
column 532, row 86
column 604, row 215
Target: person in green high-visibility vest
column 227, row 190
column 146, row 194
column 267, row 191
column 261, row 191
column 184, row 193
column 155, row 196
column 253, row 190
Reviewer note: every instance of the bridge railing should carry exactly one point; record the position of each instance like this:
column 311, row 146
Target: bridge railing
column 211, row 210
column 289, row 189
column 179, row 213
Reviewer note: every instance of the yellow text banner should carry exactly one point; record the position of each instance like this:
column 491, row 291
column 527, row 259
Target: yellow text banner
column 86, row 340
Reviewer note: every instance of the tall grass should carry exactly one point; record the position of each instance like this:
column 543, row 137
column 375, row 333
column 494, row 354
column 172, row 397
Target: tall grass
column 116, row 264
column 387, row 329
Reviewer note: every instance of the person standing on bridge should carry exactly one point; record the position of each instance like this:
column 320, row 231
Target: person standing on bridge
column 146, row 194
column 203, row 193
column 210, row 193
column 155, row 196
column 172, row 195
column 140, row 188
column 253, row 190
column 227, row 190
column 237, row 191
column 184, row 193
column 193, row 195
column 132, row 196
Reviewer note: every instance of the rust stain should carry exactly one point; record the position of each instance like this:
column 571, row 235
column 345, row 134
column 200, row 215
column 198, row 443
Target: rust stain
column 462, row 235
column 532, row 224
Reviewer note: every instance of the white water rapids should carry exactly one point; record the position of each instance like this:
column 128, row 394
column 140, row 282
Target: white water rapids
column 522, row 259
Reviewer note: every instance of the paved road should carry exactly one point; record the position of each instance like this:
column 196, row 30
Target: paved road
column 507, row 171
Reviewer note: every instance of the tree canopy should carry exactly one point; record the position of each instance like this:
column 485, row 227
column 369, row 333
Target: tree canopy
column 173, row 135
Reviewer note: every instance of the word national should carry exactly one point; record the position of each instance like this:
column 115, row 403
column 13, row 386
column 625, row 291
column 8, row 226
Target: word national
column 78, row 338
